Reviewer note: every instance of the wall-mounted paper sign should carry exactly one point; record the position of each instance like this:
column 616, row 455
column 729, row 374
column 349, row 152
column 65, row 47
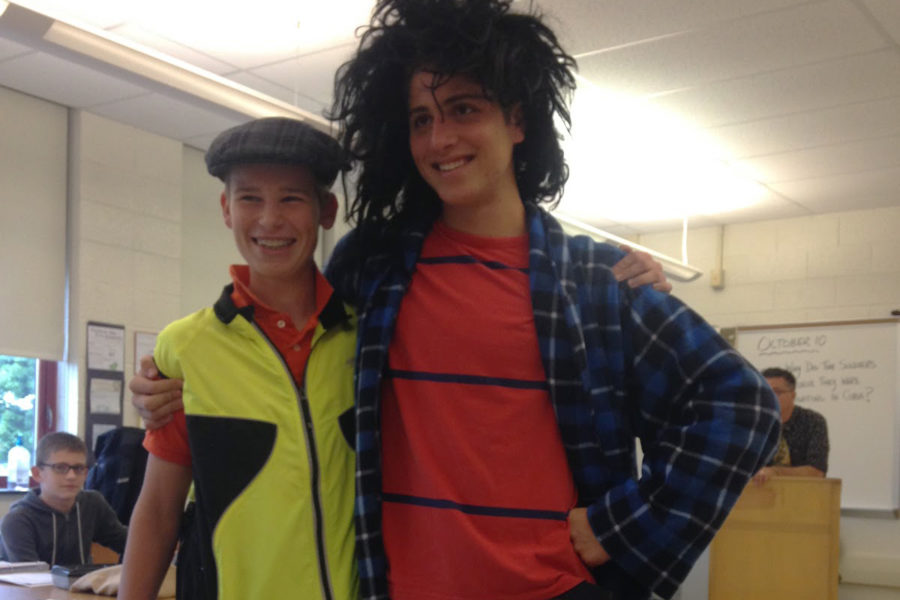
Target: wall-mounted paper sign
column 105, row 395
column 105, row 347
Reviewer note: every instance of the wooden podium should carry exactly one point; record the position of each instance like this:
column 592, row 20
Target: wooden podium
column 780, row 542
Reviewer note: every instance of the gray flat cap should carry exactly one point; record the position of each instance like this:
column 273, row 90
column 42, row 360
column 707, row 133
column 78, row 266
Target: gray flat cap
column 277, row 140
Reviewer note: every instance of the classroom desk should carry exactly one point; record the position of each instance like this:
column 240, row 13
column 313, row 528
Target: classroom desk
column 17, row 592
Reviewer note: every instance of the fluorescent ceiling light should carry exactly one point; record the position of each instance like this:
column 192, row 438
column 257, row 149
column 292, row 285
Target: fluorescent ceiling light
column 675, row 269
column 631, row 162
column 144, row 66
column 259, row 28
column 3, row 6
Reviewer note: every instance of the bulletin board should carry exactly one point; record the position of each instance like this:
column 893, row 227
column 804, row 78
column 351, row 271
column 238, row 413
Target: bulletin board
column 105, row 383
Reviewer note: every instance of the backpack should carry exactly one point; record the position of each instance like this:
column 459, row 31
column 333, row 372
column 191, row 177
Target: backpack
column 118, row 470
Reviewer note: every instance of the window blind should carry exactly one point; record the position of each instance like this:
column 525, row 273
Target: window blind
column 33, row 136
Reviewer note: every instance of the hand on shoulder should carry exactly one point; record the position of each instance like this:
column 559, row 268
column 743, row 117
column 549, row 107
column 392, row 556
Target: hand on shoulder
column 154, row 399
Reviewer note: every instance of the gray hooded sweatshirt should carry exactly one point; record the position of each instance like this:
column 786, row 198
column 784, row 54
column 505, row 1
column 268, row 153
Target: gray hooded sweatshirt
column 34, row 531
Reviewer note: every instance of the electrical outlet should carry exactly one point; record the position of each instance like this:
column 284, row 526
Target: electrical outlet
column 717, row 279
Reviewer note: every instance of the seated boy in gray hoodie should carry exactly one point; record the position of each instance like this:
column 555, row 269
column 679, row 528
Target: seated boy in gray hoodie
column 57, row 521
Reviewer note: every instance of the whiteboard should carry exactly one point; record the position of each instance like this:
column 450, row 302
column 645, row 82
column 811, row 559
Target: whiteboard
column 850, row 373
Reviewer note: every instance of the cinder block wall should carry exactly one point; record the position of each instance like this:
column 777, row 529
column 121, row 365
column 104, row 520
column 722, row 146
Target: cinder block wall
column 125, row 246
column 823, row 268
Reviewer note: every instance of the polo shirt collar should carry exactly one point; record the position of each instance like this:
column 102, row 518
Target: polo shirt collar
column 331, row 310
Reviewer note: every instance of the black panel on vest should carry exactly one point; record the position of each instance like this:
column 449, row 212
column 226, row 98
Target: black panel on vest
column 347, row 422
column 227, row 453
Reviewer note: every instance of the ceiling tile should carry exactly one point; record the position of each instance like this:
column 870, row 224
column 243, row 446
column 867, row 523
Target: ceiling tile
column 62, row 81
column 311, row 75
column 811, row 129
column 99, row 15
column 9, row 49
column 887, row 12
column 835, row 204
column 586, row 25
column 277, row 91
column 803, row 35
column 272, row 31
column 173, row 49
column 849, row 187
column 772, row 206
column 865, row 155
column 859, row 78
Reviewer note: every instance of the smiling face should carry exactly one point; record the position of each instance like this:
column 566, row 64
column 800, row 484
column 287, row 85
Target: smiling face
column 462, row 143
column 59, row 491
column 275, row 212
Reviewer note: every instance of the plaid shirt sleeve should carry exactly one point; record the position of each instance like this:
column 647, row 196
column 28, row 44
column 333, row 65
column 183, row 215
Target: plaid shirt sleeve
column 707, row 422
column 649, row 367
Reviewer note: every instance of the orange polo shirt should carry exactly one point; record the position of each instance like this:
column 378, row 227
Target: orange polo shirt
column 170, row 442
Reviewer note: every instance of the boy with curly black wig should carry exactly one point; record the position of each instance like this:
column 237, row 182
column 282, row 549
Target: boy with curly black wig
column 503, row 373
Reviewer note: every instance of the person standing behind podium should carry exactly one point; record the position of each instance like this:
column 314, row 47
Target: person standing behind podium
column 805, row 432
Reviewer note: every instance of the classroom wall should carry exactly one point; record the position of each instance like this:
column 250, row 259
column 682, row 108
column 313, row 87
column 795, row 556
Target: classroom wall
column 125, row 252
column 207, row 244
column 823, row 268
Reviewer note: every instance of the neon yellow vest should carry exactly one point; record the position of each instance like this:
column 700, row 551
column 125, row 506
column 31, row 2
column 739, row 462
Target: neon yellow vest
column 273, row 469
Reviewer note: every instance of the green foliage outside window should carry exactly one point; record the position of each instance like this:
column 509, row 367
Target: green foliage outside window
column 18, row 377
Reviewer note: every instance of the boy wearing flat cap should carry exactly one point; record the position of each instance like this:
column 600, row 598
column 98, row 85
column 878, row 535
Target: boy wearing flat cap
column 268, row 373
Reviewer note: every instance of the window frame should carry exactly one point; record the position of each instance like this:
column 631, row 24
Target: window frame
column 44, row 406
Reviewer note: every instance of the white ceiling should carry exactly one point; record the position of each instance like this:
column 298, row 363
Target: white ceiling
column 802, row 94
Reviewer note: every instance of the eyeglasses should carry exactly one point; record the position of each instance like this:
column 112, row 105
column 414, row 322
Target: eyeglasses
column 64, row 468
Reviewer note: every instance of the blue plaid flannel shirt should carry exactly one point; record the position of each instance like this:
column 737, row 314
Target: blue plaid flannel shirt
column 620, row 364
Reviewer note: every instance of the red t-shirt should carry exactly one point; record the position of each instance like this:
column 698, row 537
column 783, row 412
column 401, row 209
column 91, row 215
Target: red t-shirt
column 476, row 486
column 170, row 442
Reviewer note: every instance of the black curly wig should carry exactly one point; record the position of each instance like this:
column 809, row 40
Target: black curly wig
column 514, row 57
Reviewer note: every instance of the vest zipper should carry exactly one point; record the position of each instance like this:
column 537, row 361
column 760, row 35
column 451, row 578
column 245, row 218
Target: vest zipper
column 311, row 453
column 315, row 492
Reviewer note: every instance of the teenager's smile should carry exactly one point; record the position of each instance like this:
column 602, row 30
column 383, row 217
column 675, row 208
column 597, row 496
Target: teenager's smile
column 462, row 142
column 273, row 244
column 274, row 212
column 446, row 167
